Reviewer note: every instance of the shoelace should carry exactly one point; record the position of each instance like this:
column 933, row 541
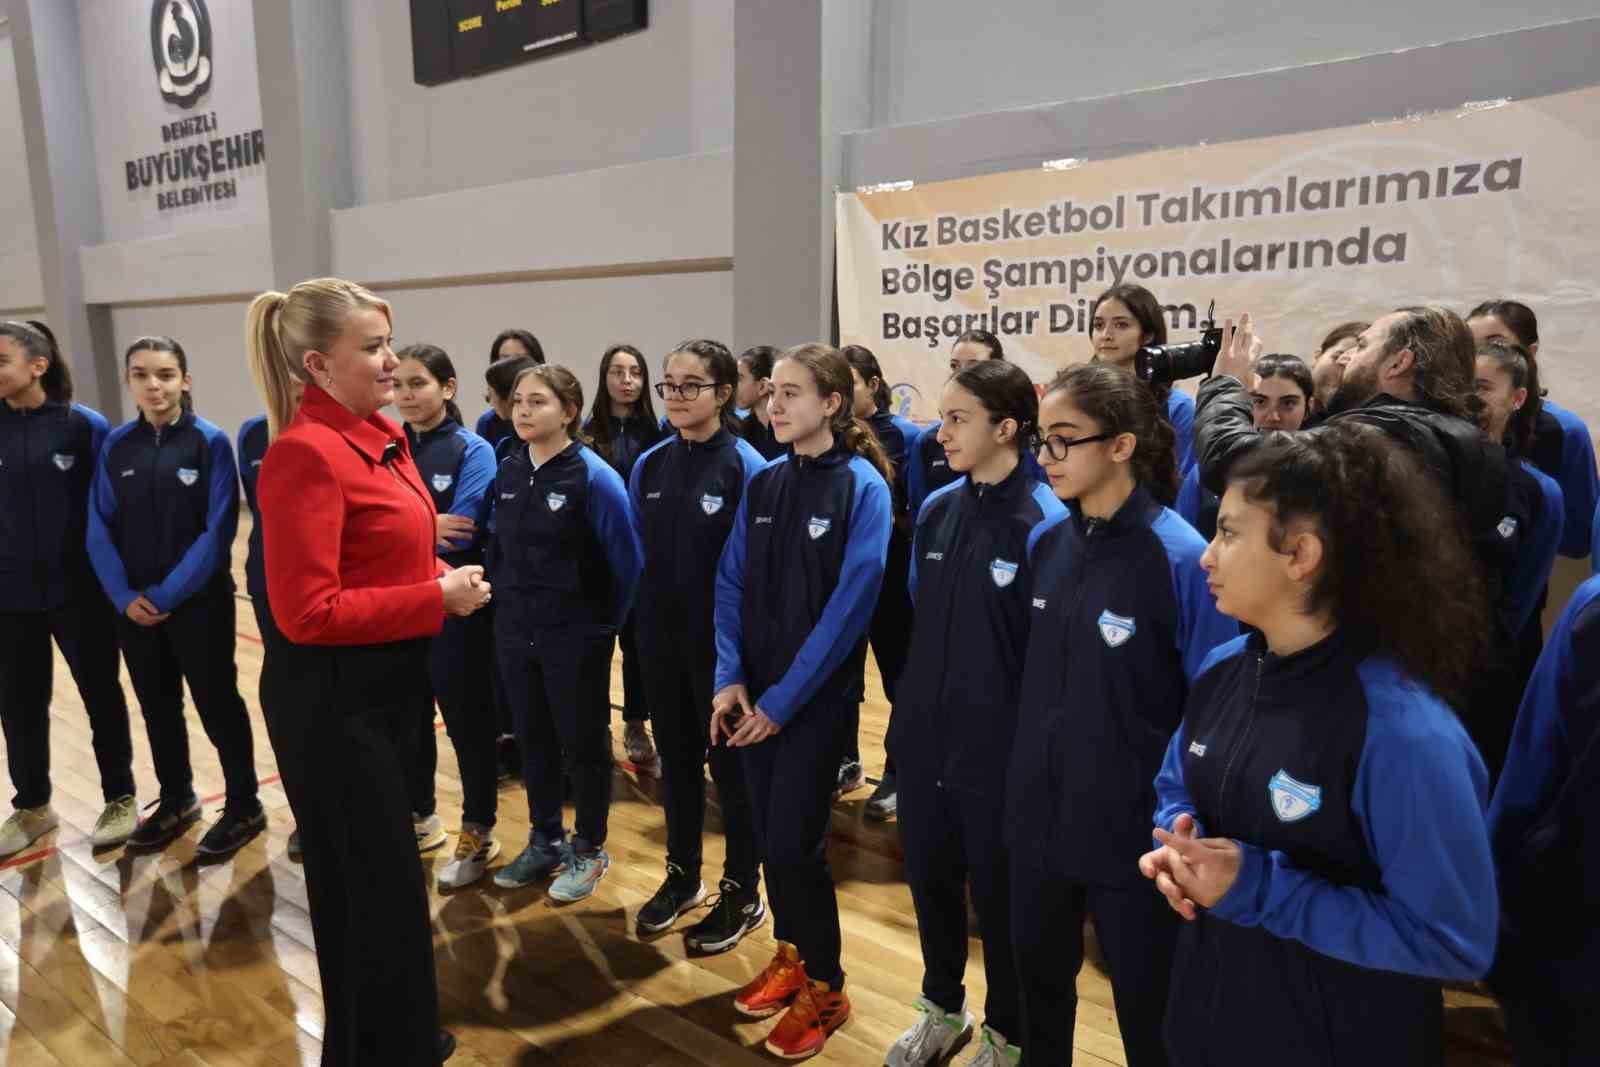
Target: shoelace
column 468, row 845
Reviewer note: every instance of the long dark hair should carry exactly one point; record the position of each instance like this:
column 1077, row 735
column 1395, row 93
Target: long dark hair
column 529, row 341
column 1293, row 368
column 866, row 364
column 1378, row 514
column 723, row 370
column 1152, row 319
column 437, row 363
column 1517, row 316
column 159, row 343
column 604, row 427
column 1443, row 359
column 831, row 372
column 1119, row 403
column 759, row 359
column 1523, row 369
column 39, row 343
column 1006, row 392
column 501, row 377
column 567, row 389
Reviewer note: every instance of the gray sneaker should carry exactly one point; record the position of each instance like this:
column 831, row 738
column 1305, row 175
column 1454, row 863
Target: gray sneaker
column 536, row 863
column 24, row 827
column 116, row 824
column 932, row 1038
column 583, row 873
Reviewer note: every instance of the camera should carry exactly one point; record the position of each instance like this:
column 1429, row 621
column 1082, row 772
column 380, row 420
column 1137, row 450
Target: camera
column 1170, row 363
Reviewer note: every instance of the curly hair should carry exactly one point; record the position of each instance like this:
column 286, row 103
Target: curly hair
column 1397, row 572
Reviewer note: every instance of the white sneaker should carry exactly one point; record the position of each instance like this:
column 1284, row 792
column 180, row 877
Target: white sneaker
column 116, row 824
column 934, row 1035
column 475, row 850
column 430, row 832
column 24, row 827
column 993, row 1051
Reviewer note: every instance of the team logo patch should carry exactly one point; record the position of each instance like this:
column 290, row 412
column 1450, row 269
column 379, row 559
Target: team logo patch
column 188, row 475
column 1292, row 800
column 1197, row 749
column 816, row 527
column 441, row 482
column 710, row 504
column 556, row 501
column 1507, row 527
column 1116, row 629
column 1002, row 572
column 63, row 461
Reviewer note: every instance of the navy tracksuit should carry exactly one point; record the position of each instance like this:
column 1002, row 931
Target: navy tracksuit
column 890, row 631
column 1563, row 449
column 928, row 469
column 761, row 437
column 796, row 587
column 458, row 468
column 1531, row 579
column 493, row 429
column 1198, row 505
column 567, row 563
column 162, row 518
column 1122, row 619
column 47, row 588
column 952, row 729
column 636, row 435
column 1357, row 799
column 1546, row 838
column 685, row 495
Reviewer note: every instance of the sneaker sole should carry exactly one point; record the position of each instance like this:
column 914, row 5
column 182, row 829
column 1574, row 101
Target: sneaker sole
column 494, row 852
column 807, row 1053
column 644, row 928
column 711, row 948
column 177, row 832
column 762, row 1013
column 511, row 884
column 255, row 832
column 589, row 887
column 30, row 841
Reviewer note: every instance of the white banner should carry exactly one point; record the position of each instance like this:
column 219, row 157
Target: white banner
column 1304, row 231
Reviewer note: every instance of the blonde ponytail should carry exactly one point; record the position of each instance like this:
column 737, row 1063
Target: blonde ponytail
column 280, row 328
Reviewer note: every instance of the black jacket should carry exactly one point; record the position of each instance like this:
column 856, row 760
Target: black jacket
column 956, row 710
column 636, row 435
column 1122, row 620
column 252, row 450
column 47, row 459
column 761, row 437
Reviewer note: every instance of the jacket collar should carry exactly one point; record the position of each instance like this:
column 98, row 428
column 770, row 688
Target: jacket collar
column 831, row 458
column 183, row 421
column 1338, row 647
column 370, row 436
column 1136, row 513
column 447, row 428
column 718, row 440
column 1002, row 494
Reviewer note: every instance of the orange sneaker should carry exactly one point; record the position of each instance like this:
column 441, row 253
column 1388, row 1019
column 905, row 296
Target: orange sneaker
column 770, row 992
column 816, row 1013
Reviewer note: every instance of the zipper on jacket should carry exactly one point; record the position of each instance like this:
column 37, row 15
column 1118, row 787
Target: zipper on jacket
column 1249, row 724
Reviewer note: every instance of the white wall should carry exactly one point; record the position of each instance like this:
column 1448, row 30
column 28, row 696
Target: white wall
column 665, row 91
column 934, row 60
column 20, row 286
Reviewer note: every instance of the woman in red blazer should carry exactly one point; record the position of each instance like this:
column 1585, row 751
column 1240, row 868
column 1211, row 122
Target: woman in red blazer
column 356, row 590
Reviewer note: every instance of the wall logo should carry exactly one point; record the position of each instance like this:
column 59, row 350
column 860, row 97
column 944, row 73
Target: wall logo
column 180, row 38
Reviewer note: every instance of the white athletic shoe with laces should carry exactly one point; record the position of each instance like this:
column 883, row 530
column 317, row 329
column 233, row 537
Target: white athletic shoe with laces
column 475, row 850
column 934, row 1035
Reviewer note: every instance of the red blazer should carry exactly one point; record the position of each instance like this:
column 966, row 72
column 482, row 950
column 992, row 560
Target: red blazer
column 349, row 540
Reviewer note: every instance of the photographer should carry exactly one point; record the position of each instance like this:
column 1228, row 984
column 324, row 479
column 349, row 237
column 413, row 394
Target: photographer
column 1410, row 374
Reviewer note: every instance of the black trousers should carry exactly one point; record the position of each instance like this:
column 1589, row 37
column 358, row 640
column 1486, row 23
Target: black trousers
column 460, row 668
column 889, row 634
column 635, row 705
column 195, row 645
column 1550, row 1003
column 85, row 628
column 559, row 690
column 343, row 726
column 791, row 777
column 952, row 841
column 1138, row 934
column 680, row 709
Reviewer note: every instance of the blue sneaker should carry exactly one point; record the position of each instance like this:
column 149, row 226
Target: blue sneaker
column 583, row 873
column 536, row 863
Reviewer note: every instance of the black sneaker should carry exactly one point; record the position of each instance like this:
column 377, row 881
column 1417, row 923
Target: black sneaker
column 447, row 1045
column 232, row 832
column 295, row 853
column 171, row 819
column 851, row 777
column 736, row 912
column 677, row 895
column 885, row 800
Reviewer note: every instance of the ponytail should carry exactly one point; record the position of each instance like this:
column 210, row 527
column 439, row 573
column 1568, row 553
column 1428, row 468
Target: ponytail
column 866, row 364
column 280, row 328
column 39, row 343
column 831, row 371
column 274, row 374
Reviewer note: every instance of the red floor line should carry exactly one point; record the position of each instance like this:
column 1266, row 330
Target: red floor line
column 23, row 860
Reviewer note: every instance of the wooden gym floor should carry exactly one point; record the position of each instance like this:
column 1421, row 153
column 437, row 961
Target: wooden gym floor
column 155, row 959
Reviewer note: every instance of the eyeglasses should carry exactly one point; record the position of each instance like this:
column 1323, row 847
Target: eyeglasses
column 1058, row 446
column 687, row 391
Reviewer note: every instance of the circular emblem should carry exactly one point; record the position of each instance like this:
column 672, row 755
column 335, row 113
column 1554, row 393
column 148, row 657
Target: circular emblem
column 180, row 39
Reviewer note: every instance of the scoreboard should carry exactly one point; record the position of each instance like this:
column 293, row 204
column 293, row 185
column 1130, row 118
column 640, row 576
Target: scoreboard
column 458, row 38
